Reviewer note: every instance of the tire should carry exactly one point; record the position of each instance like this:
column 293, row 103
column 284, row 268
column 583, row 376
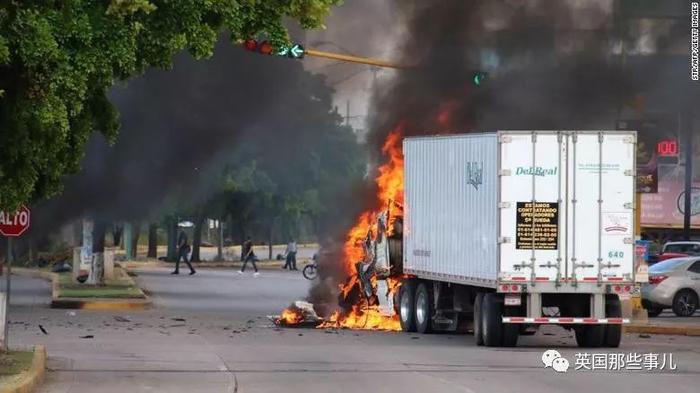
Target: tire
column 407, row 315
column 310, row 272
column 590, row 336
column 478, row 317
column 613, row 333
column 491, row 323
column 685, row 303
column 654, row 312
column 424, row 308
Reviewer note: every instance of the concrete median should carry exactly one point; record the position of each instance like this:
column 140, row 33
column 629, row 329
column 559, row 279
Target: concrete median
column 30, row 379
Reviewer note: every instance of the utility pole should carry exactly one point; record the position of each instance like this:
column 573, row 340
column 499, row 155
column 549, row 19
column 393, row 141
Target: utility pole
column 687, row 124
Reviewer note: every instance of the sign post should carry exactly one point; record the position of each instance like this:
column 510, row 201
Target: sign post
column 11, row 225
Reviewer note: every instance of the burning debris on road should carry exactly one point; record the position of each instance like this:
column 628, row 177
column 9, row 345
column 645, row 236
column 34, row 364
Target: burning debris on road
column 299, row 314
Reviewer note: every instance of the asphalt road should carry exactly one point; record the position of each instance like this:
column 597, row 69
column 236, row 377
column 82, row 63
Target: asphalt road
column 209, row 333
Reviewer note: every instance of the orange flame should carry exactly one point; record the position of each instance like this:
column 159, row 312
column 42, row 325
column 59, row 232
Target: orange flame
column 290, row 317
column 390, row 199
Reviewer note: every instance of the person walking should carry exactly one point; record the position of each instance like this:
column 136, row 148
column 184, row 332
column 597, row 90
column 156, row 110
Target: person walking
column 291, row 251
column 183, row 248
column 249, row 256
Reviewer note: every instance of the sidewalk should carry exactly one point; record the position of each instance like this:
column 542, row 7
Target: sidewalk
column 127, row 297
column 666, row 323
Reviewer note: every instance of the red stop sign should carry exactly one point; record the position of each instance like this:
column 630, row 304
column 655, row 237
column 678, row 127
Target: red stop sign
column 14, row 224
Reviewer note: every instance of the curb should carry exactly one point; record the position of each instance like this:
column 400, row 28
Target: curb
column 29, row 380
column 82, row 303
column 683, row 330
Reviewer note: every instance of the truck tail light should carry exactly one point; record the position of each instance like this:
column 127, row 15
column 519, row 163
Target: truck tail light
column 655, row 280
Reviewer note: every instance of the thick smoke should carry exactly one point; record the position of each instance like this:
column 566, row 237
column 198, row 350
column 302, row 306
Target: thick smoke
column 180, row 127
column 552, row 65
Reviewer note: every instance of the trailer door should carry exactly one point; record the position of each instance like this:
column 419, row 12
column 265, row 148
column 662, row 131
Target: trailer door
column 532, row 208
column 601, row 213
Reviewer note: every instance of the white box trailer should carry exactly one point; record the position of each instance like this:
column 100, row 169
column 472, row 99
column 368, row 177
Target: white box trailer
column 509, row 230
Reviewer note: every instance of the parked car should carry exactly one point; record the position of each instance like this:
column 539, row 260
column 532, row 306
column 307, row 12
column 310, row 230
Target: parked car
column 676, row 250
column 675, row 284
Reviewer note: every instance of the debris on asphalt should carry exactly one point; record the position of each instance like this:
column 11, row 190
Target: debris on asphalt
column 178, row 325
column 43, row 330
column 119, row 318
column 645, row 336
column 178, row 319
column 71, row 313
column 415, row 338
column 300, row 334
column 88, row 336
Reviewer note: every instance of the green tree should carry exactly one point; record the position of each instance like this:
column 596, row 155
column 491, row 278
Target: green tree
column 59, row 59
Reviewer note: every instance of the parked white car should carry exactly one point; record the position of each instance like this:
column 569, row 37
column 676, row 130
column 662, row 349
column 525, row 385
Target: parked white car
column 675, row 284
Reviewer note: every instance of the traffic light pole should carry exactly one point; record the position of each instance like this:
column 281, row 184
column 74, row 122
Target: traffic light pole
column 352, row 59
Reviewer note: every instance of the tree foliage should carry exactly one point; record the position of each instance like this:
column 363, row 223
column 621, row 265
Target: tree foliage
column 58, row 59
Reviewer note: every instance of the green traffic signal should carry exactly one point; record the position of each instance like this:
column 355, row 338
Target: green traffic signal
column 479, row 77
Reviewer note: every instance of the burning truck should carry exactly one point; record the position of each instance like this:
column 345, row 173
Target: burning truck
column 495, row 233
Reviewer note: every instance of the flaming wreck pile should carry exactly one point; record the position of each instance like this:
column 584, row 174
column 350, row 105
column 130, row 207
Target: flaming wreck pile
column 358, row 306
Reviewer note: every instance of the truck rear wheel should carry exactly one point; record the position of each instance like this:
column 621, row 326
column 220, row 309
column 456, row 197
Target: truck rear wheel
column 511, row 331
column 613, row 333
column 590, row 336
column 407, row 315
column 478, row 317
column 492, row 322
column 424, row 308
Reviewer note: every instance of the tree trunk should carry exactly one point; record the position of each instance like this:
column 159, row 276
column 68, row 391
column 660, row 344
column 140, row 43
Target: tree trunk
column 117, row 231
column 153, row 240
column 128, row 241
column 172, row 241
column 135, row 235
column 242, row 233
column 220, row 243
column 197, row 240
column 97, row 276
column 269, row 244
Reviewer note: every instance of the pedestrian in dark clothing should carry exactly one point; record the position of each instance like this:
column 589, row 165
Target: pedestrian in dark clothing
column 249, row 256
column 183, row 248
column 291, row 251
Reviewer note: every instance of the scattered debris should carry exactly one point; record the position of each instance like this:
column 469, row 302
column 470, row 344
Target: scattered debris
column 71, row 313
column 88, row 336
column 645, row 336
column 300, row 313
column 178, row 325
column 415, row 338
column 43, row 330
column 119, row 318
column 300, row 334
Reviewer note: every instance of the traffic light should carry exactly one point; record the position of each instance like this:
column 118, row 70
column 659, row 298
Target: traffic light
column 479, row 77
column 294, row 51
